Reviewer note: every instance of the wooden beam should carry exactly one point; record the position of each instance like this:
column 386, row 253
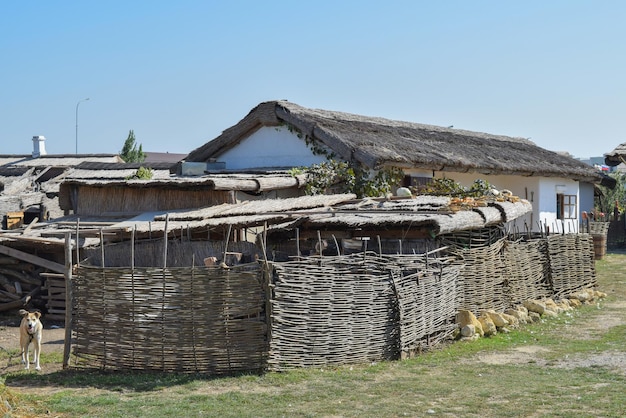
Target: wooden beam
column 33, row 259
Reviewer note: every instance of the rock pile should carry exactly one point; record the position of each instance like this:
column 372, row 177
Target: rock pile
column 489, row 322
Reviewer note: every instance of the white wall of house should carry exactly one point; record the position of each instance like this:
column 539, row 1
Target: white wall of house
column 539, row 191
column 587, row 201
column 270, row 147
column 549, row 187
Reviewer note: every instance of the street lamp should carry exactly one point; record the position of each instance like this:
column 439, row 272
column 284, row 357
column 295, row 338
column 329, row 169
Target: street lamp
column 77, row 122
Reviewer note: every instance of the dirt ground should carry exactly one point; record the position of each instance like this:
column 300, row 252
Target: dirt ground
column 53, row 341
column 613, row 314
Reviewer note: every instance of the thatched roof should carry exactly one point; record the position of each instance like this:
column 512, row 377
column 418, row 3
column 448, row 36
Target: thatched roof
column 617, row 156
column 346, row 212
column 377, row 142
column 322, row 212
column 254, row 183
column 115, row 171
column 57, row 160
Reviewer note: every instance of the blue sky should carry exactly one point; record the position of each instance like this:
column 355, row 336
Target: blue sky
column 179, row 73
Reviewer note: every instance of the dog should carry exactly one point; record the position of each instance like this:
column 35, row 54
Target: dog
column 31, row 330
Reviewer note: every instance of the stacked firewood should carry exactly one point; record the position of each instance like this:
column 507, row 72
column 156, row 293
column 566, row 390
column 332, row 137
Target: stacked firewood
column 20, row 284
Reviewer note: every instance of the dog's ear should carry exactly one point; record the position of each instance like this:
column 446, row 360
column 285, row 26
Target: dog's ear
column 37, row 314
column 23, row 312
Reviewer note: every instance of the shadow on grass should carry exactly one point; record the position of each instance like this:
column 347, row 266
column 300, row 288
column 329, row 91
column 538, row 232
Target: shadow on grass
column 137, row 381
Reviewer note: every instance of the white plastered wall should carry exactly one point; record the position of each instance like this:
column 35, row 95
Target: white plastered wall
column 539, row 191
column 270, row 147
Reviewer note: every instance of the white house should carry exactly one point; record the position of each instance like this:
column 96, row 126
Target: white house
column 282, row 135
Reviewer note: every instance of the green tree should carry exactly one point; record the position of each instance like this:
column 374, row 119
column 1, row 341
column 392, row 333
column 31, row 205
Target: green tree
column 130, row 152
column 605, row 202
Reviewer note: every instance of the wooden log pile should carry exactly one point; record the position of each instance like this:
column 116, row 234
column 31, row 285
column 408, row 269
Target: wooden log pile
column 20, row 284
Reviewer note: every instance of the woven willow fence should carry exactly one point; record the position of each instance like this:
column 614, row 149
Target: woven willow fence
column 206, row 320
column 571, row 263
column 351, row 309
column 313, row 311
column 501, row 273
column 527, row 267
column 427, row 292
column 482, row 281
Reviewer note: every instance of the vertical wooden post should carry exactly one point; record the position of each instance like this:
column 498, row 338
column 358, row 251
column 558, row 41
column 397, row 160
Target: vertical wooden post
column 77, row 242
column 230, row 227
column 132, row 283
column 132, row 248
column 102, row 247
column 68, row 299
column 167, row 220
column 298, row 254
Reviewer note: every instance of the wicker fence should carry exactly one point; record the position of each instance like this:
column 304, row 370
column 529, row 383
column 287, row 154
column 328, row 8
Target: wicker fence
column 204, row 320
column 337, row 310
column 310, row 312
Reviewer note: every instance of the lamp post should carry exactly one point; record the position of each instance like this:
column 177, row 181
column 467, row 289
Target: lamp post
column 77, row 121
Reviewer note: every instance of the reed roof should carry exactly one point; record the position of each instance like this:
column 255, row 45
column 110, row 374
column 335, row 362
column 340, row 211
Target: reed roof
column 378, row 142
column 617, row 156
column 343, row 212
column 235, row 181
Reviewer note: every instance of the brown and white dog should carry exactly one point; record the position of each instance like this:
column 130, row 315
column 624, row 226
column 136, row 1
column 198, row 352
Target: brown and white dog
column 31, row 329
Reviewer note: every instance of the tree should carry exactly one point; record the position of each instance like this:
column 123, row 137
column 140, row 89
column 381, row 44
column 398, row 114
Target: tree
column 610, row 197
column 130, row 153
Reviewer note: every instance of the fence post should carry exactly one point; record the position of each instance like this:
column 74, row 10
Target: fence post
column 68, row 300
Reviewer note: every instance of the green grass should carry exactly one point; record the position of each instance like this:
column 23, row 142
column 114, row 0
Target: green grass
column 449, row 381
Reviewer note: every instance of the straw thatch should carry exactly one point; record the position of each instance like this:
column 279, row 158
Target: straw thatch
column 377, row 142
column 617, row 156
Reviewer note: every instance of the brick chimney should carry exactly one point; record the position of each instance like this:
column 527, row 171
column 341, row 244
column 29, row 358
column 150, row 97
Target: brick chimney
column 39, row 146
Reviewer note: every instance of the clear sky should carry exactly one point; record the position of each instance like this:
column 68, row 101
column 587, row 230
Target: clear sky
column 180, row 72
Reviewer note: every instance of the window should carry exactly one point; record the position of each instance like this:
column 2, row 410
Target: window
column 566, row 206
column 417, row 183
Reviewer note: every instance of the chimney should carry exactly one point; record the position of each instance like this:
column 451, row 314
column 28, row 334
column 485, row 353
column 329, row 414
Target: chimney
column 39, row 146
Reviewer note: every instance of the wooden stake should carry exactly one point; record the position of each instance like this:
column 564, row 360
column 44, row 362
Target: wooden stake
column 167, row 220
column 102, row 247
column 68, row 300
column 77, row 242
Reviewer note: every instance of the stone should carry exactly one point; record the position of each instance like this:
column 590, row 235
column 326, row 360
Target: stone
column 575, row 303
column 535, row 306
column 465, row 317
column 550, row 313
column 468, row 330
column 534, row 316
column 489, row 328
column 497, row 318
column 520, row 314
column 512, row 320
column 522, row 317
